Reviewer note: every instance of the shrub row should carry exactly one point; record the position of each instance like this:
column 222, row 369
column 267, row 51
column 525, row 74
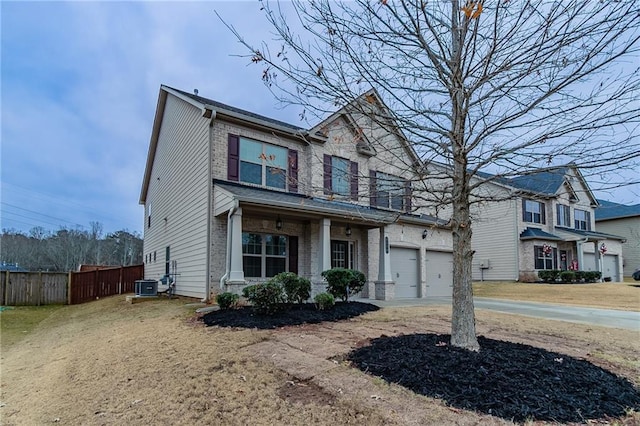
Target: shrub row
column 556, row 275
column 287, row 288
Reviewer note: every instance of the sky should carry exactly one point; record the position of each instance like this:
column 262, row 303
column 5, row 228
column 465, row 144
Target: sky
column 79, row 87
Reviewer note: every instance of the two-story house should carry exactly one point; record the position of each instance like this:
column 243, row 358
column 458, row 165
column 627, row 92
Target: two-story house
column 545, row 221
column 233, row 198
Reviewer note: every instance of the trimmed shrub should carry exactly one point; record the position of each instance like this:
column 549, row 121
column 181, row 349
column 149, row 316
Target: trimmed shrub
column 266, row 298
column 227, row 300
column 567, row 276
column 343, row 282
column 297, row 289
column 592, row 276
column 549, row 275
column 324, row 301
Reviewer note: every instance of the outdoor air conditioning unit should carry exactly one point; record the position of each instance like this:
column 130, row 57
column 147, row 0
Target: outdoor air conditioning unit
column 146, row 288
column 484, row 264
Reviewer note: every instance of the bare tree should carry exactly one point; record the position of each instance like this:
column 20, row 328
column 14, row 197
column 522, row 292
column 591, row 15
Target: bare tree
column 507, row 87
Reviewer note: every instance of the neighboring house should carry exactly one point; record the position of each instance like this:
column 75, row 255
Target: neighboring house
column 624, row 220
column 546, row 221
column 232, row 198
column 11, row 267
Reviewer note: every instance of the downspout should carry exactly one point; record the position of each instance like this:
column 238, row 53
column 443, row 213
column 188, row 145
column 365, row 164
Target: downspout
column 207, row 285
column 227, row 265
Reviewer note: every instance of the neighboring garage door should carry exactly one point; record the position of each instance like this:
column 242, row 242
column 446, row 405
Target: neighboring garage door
column 439, row 274
column 610, row 267
column 404, row 271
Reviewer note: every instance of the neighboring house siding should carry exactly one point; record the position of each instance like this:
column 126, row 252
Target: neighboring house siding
column 630, row 229
column 178, row 194
column 495, row 238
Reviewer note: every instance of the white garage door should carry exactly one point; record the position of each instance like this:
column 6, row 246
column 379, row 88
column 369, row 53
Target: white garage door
column 610, row 267
column 439, row 274
column 404, row 271
column 588, row 262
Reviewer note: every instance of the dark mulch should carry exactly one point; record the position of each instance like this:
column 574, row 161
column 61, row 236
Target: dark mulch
column 509, row 380
column 306, row 313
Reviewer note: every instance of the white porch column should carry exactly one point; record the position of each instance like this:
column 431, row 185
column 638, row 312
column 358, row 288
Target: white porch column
column 236, row 274
column 580, row 255
column 599, row 260
column 384, row 285
column 384, row 269
column 324, row 245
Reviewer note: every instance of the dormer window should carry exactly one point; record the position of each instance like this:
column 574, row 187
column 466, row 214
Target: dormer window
column 533, row 212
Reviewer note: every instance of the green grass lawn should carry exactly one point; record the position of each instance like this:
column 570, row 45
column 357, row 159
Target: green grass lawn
column 17, row 322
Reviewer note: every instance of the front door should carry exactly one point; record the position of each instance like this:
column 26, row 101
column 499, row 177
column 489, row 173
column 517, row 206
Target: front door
column 563, row 260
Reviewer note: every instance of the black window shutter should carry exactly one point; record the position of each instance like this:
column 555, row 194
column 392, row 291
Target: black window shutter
column 524, row 210
column 587, row 216
column 407, row 195
column 354, row 181
column 543, row 209
column 373, row 193
column 327, row 174
column 293, row 170
column 293, row 254
column 233, row 158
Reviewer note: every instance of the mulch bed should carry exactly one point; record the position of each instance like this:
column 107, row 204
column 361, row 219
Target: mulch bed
column 509, row 380
column 306, row 313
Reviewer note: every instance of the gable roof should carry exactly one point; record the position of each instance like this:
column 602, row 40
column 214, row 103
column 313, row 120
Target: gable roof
column 546, row 182
column 609, row 210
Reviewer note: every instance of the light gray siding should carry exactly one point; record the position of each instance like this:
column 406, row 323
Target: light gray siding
column 178, row 194
column 630, row 229
column 495, row 239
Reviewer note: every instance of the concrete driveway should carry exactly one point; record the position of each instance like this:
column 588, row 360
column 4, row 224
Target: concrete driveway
column 584, row 315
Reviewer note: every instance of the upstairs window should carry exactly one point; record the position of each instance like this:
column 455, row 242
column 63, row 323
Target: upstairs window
column 533, row 211
column 260, row 163
column 582, row 220
column 390, row 192
column 340, row 177
column 563, row 216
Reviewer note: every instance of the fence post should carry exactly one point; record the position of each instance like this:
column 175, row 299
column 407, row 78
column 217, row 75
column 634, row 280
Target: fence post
column 39, row 288
column 69, row 287
column 6, row 288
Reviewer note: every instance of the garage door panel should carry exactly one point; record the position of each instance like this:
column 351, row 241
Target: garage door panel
column 439, row 270
column 404, row 272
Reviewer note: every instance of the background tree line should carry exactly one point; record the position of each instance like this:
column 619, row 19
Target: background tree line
column 67, row 249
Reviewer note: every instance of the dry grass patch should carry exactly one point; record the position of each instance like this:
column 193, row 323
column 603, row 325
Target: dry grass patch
column 112, row 363
column 624, row 296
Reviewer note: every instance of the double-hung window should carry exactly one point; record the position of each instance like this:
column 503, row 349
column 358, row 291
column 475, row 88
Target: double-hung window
column 340, row 177
column 563, row 216
column 390, row 191
column 582, row 220
column 546, row 260
column 260, row 163
column 263, row 164
column 533, row 211
column 263, row 255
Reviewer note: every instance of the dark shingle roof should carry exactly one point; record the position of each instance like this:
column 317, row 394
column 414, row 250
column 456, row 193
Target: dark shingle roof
column 286, row 200
column 593, row 234
column 542, row 183
column 220, row 105
column 533, row 233
column 609, row 210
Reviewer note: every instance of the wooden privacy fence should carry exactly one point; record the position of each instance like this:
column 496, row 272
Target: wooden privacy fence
column 89, row 285
column 33, row 288
column 47, row 288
